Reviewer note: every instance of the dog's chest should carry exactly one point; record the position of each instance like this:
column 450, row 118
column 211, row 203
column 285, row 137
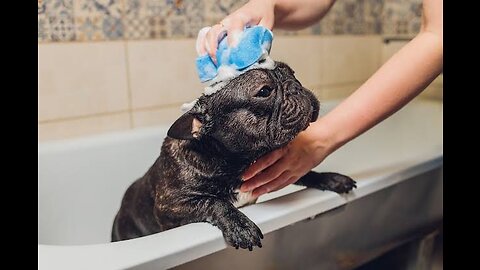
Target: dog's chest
column 244, row 198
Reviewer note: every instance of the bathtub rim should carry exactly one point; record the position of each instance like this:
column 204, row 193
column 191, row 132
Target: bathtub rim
column 296, row 206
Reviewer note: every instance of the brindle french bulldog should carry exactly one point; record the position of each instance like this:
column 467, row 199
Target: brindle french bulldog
column 198, row 174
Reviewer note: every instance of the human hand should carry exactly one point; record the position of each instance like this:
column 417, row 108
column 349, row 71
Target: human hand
column 286, row 165
column 255, row 12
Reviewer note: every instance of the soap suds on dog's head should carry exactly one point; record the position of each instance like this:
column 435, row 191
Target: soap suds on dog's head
column 226, row 73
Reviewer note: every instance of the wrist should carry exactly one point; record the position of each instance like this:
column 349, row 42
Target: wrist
column 327, row 136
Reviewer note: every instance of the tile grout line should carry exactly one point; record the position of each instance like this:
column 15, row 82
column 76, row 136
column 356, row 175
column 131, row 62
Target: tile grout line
column 86, row 116
column 79, row 117
column 129, row 86
column 127, row 65
column 192, row 38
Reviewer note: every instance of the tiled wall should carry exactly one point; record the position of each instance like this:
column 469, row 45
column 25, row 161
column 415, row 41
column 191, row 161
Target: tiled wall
column 130, row 78
column 95, row 20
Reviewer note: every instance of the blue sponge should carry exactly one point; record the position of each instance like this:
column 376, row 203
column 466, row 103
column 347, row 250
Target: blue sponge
column 253, row 45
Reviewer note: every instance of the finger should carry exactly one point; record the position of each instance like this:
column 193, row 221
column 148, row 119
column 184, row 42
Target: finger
column 290, row 180
column 272, row 185
column 262, row 163
column 200, row 44
column 266, row 22
column 269, row 174
column 211, row 41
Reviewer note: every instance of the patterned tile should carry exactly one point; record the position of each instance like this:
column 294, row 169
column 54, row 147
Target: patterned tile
column 58, row 24
column 316, row 29
column 334, row 21
column 373, row 16
column 137, row 28
column 43, row 25
column 99, row 19
column 400, row 17
column 195, row 23
column 89, row 28
column 163, row 19
column 216, row 10
column 136, row 19
column 281, row 32
column 416, row 18
column 176, row 26
column 196, row 11
column 62, row 27
column 374, row 8
column 87, row 20
column 112, row 27
column 158, row 27
column 43, row 29
column 41, row 7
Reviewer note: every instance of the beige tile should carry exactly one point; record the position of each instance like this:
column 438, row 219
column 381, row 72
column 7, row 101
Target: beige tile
column 78, row 79
column 435, row 89
column 347, row 59
column 303, row 54
column 433, row 92
column 338, row 91
column 163, row 72
column 438, row 81
column 156, row 116
column 316, row 89
column 84, row 126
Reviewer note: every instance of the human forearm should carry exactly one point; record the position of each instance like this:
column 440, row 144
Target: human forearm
column 398, row 81
column 299, row 14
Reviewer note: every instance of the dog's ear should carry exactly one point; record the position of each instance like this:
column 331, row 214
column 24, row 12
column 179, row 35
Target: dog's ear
column 187, row 127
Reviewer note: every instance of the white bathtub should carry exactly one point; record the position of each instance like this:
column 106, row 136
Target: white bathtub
column 398, row 167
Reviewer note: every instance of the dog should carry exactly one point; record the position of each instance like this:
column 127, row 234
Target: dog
column 197, row 176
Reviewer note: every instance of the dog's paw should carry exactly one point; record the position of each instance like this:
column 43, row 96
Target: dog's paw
column 243, row 233
column 339, row 183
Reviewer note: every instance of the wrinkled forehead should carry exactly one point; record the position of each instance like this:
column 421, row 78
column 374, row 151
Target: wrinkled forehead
column 250, row 80
column 256, row 76
column 262, row 76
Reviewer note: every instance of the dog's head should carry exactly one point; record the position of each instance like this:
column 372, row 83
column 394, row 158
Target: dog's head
column 255, row 113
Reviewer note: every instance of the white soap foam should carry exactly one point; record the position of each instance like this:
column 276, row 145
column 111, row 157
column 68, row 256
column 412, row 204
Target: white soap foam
column 188, row 106
column 226, row 73
column 236, row 37
column 244, row 198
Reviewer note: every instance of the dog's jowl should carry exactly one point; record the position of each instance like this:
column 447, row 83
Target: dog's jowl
column 197, row 175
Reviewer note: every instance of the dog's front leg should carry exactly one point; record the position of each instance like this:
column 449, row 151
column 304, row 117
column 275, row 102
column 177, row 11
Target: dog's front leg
column 335, row 182
column 238, row 230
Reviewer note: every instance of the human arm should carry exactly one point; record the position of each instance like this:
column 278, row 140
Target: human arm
column 399, row 80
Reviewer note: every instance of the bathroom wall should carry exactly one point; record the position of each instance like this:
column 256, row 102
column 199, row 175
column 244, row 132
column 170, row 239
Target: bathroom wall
column 110, row 65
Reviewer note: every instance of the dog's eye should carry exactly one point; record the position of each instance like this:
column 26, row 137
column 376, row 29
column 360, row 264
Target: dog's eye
column 264, row 92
